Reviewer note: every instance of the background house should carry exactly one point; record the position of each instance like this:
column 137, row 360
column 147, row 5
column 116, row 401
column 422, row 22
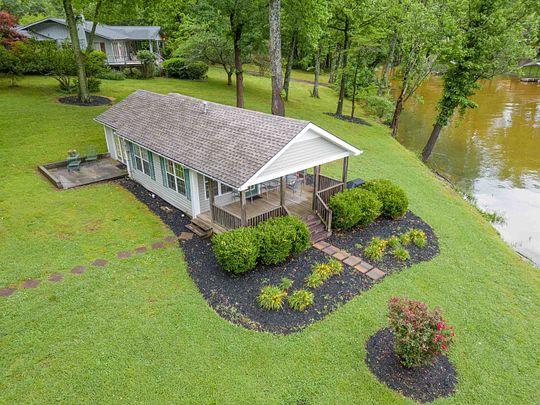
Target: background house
column 119, row 43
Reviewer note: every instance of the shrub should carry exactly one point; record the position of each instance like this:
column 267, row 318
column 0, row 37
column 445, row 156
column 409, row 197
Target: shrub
column 183, row 69
column 300, row 300
column 94, row 84
column 323, row 270
column 394, row 242
column 196, row 70
column 112, row 75
column 401, row 253
column 420, row 334
column 393, row 198
column 94, row 63
column 314, row 280
column 375, row 249
column 286, row 283
column 354, row 207
column 381, row 107
column 302, row 237
column 236, row 250
column 148, row 63
column 272, row 297
column 279, row 237
column 418, row 237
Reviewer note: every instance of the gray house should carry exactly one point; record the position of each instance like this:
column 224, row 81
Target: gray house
column 226, row 167
column 119, row 43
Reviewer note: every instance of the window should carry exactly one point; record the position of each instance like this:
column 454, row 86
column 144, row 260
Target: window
column 219, row 190
column 119, row 145
column 141, row 160
column 176, row 177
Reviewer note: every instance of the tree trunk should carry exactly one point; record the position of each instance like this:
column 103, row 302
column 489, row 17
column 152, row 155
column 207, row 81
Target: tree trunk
column 333, row 64
column 384, row 79
column 278, row 106
column 317, row 72
column 290, row 61
column 343, row 84
column 237, row 35
column 426, row 153
column 399, row 107
column 94, row 26
column 354, row 90
column 84, row 95
column 229, row 76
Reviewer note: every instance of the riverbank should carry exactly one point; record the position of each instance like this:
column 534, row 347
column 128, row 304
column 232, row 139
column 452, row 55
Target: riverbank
column 138, row 329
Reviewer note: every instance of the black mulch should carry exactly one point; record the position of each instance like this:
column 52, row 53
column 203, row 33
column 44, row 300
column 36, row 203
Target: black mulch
column 94, row 101
column 235, row 297
column 347, row 118
column 423, row 384
column 354, row 241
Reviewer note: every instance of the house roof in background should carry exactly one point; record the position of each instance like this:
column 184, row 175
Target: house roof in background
column 112, row 32
column 226, row 143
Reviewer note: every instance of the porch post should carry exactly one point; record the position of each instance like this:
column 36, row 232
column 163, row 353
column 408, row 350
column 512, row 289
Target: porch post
column 211, row 197
column 344, row 174
column 282, row 185
column 316, row 179
column 243, row 216
column 150, row 46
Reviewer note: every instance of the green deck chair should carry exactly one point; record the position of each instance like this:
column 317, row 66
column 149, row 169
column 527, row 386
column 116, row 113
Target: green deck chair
column 91, row 154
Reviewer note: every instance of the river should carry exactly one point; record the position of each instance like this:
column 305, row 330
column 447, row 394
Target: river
column 493, row 153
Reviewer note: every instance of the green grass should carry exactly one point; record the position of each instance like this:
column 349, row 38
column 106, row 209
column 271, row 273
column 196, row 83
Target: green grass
column 138, row 331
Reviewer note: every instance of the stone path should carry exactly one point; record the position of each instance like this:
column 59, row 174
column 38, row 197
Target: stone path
column 77, row 270
column 353, row 261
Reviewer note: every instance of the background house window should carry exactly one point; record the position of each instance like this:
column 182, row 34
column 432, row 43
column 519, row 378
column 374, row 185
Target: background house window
column 176, row 177
column 141, row 160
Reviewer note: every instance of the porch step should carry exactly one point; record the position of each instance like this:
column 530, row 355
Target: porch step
column 201, row 224
column 322, row 235
column 316, row 228
column 197, row 230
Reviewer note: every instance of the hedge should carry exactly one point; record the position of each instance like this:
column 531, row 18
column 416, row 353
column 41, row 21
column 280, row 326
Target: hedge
column 184, row 69
column 236, row 250
column 393, row 198
column 354, row 207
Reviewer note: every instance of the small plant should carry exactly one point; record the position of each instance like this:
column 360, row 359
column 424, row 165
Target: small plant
column 394, row 242
column 286, row 283
column 418, row 237
column 375, row 249
column 272, row 297
column 300, row 300
column 419, row 333
column 323, row 270
column 314, row 280
column 404, row 238
column 336, row 267
column 401, row 253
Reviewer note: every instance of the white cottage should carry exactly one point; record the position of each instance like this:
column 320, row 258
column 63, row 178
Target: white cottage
column 119, row 43
column 224, row 166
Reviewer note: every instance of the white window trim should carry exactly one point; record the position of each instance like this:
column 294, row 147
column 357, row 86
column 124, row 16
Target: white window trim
column 144, row 159
column 175, row 176
column 220, row 191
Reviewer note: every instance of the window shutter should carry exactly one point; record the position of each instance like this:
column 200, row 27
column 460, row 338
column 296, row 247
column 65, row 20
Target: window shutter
column 187, row 178
column 151, row 161
column 163, row 172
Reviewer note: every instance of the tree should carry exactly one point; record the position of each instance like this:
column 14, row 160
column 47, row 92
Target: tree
column 278, row 106
column 317, row 69
column 8, row 34
column 492, row 35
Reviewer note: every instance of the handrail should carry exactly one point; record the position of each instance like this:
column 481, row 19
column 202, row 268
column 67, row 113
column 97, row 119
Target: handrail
column 328, row 192
column 272, row 213
column 327, row 182
column 323, row 212
column 225, row 218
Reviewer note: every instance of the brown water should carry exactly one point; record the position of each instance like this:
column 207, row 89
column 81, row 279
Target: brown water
column 493, row 153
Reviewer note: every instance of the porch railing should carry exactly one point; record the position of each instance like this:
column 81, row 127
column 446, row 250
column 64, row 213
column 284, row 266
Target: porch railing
column 323, row 212
column 328, row 192
column 226, row 219
column 327, row 182
column 273, row 213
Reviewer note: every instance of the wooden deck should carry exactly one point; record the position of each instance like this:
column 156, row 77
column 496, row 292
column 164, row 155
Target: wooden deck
column 299, row 204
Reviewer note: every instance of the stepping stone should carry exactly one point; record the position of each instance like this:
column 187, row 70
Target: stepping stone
column 6, row 292
column 30, row 284
column 331, row 250
column 99, row 262
column 321, row 245
column 361, row 268
column 56, row 277
column 78, row 269
column 366, row 265
column 124, row 255
column 158, row 245
column 375, row 273
column 186, row 236
column 352, row 261
column 341, row 255
column 141, row 249
column 170, row 239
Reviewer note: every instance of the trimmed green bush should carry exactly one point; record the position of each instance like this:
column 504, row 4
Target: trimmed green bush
column 237, row 250
column 184, row 69
column 302, row 236
column 393, row 198
column 196, row 70
column 354, row 207
column 279, row 237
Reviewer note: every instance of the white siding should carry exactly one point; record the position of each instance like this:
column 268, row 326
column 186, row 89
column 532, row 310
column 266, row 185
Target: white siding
column 52, row 30
column 109, row 137
column 219, row 199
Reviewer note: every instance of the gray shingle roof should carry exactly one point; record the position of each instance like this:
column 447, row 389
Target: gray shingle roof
column 227, row 143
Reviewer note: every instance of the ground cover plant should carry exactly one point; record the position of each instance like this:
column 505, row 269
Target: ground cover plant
column 120, row 332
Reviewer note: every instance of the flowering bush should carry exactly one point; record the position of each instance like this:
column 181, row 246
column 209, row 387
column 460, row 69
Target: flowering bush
column 420, row 334
column 272, row 297
column 375, row 249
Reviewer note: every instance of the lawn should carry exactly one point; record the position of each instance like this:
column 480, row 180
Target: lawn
column 138, row 330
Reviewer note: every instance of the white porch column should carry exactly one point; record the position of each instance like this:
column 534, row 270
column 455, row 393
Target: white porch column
column 195, row 202
column 150, row 46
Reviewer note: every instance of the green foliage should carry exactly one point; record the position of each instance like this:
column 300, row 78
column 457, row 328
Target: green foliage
column 394, row 242
column 93, row 84
column 272, row 298
column 354, row 207
column 401, row 253
column 379, row 106
column 112, row 74
column 148, row 63
column 393, row 198
column 302, row 236
column 181, row 68
column 94, row 63
column 404, row 238
column 322, row 272
column 420, row 334
column 418, row 237
column 336, row 267
column 314, row 280
column 236, row 250
column 300, row 300
column 286, row 283
column 375, row 249
column 279, row 237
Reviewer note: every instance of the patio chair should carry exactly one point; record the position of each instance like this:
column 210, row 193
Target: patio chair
column 296, row 186
column 91, row 154
column 74, row 164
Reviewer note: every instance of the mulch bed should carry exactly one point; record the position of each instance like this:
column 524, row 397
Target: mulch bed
column 94, row 101
column 354, row 241
column 235, row 297
column 423, row 384
column 347, row 118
